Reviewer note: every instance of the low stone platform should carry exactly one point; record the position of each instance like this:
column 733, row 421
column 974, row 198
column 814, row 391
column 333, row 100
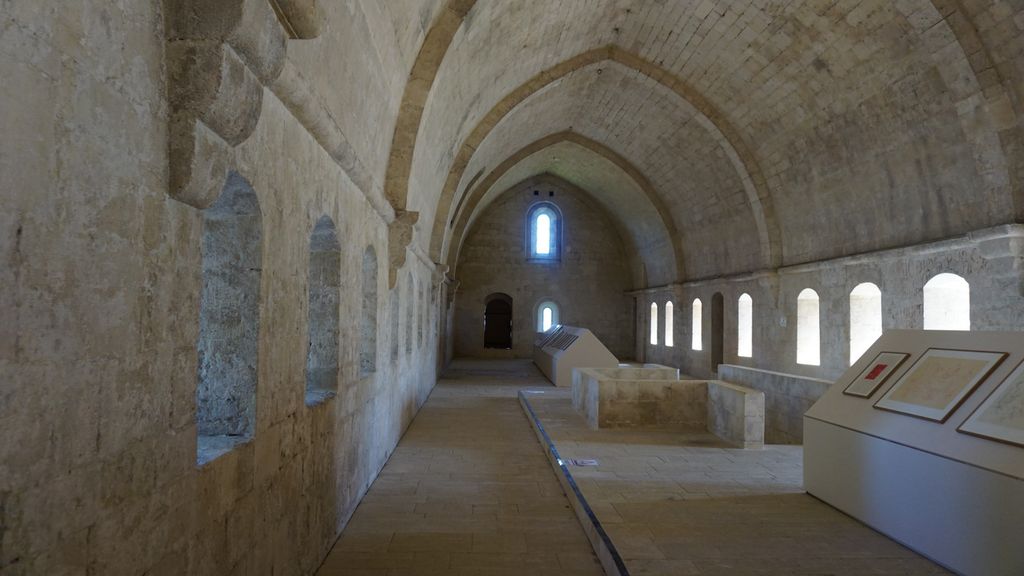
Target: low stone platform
column 663, row 502
column 657, row 397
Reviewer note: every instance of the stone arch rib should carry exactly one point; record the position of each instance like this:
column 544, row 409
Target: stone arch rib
column 729, row 138
column 474, row 195
column 414, row 98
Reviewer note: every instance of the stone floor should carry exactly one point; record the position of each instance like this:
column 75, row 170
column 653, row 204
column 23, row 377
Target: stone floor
column 468, row 490
column 690, row 505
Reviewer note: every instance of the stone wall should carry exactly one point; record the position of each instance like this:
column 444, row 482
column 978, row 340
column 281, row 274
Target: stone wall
column 786, row 398
column 588, row 284
column 736, row 414
column 102, row 275
column 990, row 260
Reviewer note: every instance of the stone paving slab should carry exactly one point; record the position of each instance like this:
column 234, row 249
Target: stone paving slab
column 689, row 504
column 467, row 491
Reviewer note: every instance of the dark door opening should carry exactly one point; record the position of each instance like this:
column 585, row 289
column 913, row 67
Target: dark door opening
column 717, row 330
column 498, row 322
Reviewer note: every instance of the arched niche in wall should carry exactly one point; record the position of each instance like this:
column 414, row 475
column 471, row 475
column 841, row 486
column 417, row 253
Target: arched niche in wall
column 229, row 313
column 421, row 319
column 368, row 320
column 395, row 321
column 410, row 312
column 323, row 317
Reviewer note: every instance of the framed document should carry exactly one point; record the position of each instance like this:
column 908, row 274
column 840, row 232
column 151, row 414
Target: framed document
column 1001, row 416
column 878, row 371
column 939, row 382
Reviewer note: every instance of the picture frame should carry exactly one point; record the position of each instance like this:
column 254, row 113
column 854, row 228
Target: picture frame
column 1000, row 417
column 939, row 382
column 876, row 374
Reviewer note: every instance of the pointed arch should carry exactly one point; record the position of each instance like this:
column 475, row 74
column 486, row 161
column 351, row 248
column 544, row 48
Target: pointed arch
column 739, row 153
column 472, row 198
column 414, row 98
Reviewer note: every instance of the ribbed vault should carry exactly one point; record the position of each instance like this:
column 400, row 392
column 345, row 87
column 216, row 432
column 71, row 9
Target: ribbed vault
column 616, row 186
column 773, row 134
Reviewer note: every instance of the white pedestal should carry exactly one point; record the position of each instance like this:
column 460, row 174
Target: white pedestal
column 968, row 519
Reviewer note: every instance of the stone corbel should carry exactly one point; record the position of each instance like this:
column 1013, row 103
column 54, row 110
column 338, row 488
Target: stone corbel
column 400, row 233
column 453, row 287
column 220, row 55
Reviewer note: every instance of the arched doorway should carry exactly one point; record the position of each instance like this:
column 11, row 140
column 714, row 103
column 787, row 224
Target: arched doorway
column 717, row 330
column 498, row 321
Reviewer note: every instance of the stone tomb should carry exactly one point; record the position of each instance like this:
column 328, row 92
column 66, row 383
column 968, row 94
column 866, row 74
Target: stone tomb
column 654, row 396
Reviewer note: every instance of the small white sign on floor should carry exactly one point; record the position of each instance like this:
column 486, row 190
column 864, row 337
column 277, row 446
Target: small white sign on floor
column 583, row 462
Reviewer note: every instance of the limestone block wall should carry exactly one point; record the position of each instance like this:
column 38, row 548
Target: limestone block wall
column 98, row 355
column 736, row 413
column 786, row 398
column 588, row 284
column 989, row 259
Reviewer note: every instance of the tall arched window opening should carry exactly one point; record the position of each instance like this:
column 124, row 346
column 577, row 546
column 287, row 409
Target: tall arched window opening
column 324, row 301
column 697, row 323
column 745, row 326
column 865, row 318
column 808, row 333
column 229, row 314
column 947, row 303
column 654, row 323
column 368, row 324
column 545, row 232
column 547, row 316
column 498, row 321
column 669, row 324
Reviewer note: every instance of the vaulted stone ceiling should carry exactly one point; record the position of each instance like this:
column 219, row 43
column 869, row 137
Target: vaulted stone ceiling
column 757, row 134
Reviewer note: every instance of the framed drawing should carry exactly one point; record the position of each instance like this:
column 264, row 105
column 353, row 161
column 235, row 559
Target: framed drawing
column 878, row 371
column 1001, row 416
column 939, row 382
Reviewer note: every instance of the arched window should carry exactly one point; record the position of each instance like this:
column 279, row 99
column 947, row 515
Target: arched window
column 324, row 300
column 947, row 303
column 229, row 313
column 547, row 316
column 368, row 325
column 654, row 323
column 696, row 311
column 745, row 326
column 545, row 228
column 669, row 324
column 865, row 318
column 808, row 334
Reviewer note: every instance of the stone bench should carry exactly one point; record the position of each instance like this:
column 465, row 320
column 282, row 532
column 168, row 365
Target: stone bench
column 654, row 397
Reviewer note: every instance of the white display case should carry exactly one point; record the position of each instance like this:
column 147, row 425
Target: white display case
column 918, row 440
column 559, row 350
